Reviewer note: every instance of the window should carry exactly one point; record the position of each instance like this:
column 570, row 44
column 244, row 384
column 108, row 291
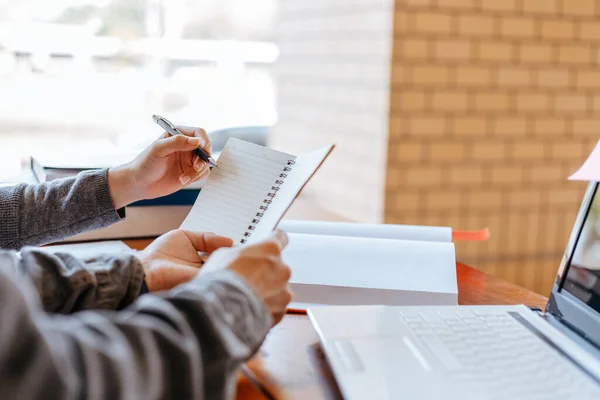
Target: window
column 89, row 73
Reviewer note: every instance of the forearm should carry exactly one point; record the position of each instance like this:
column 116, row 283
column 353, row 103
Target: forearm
column 39, row 214
column 186, row 344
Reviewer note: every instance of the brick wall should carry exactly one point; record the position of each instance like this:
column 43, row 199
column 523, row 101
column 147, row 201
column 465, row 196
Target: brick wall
column 333, row 87
column 493, row 104
column 483, row 107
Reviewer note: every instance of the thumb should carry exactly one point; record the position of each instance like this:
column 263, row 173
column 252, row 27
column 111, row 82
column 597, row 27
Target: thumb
column 173, row 144
column 208, row 242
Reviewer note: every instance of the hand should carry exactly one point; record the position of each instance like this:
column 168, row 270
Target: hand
column 163, row 168
column 173, row 258
column 262, row 268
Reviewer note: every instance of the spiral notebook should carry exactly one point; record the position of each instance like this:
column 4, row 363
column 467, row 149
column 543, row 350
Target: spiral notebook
column 246, row 196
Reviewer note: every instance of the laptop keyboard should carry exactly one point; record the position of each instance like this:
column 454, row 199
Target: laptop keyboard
column 490, row 352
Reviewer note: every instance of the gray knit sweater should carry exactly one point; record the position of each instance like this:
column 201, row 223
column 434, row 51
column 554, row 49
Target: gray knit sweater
column 183, row 344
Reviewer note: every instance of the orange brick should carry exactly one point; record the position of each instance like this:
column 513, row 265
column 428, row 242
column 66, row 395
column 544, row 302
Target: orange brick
column 491, row 101
column 566, row 150
column 528, row 150
column 402, row 201
column 510, row 126
column 464, row 4
column 484, row 199
column 541, row 6
column 589, row 30
column 473, row 76
column 402, row 21
column 431, row 76
column 427, row 126
column 571, row 103
column 495, row 51
column 535, row 53
column 408, row 151
column 446, row 151
column 488, row 151
column 588, row 79
column 586, row 126
column 563, row 196
column 514, row 77
column 517, row 27
column 470, row 126
column 573, row 54
column 495, row 5
column 507, row 174
column 411, row 100
column 442, row 200
column 533, row 102
column 449, row 101
column 415, row 48
column 429, row 22
column 550, row 126
column 546, row 173
column 524, row 197
column 400, row 73
column 466, row 174
column 553, row 78
column 419, row 2
column 396, row 126
column 557, row 29
column 476, row 25
column 579, row 7
column 453, row 49
column 423, row 176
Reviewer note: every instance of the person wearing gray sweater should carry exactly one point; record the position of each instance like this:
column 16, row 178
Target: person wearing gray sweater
column 80, row 329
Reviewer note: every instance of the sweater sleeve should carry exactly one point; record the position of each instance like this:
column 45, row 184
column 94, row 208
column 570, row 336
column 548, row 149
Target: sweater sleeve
column 66, row 284
column 185, row 344
column 39, row 214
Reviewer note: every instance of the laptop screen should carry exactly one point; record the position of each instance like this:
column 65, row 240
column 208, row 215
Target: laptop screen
column 582, row 278
column 575, row 297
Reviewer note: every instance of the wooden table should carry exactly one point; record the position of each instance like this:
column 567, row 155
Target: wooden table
column 290, row 364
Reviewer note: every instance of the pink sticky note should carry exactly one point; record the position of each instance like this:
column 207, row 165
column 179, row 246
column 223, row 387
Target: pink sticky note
column 590, row 170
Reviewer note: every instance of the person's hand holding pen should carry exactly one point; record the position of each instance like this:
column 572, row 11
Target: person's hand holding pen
column 166, row 166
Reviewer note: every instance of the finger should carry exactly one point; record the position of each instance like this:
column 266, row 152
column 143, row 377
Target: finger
column 190, row 175
column 280, row 237
column 207, row 241
column 174, row 144
column 199, row 133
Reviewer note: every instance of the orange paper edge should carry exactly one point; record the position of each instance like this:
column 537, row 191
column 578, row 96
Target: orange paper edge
column 471, row 236
column 296, row 311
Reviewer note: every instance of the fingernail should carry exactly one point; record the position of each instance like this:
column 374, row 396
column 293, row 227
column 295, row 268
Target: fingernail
column 195, row 141
column 197, row 167
column 184, row 179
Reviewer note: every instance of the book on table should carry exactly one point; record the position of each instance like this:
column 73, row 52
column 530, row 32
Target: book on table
column 246, row 197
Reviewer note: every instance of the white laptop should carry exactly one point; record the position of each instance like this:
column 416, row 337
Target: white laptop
column 478, row 352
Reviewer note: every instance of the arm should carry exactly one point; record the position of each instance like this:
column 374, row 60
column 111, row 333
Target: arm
column 186, row 344
column 39, row 214
column 66, row 284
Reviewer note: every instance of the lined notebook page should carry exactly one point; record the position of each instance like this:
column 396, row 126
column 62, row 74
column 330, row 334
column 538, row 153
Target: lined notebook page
column 235, row 191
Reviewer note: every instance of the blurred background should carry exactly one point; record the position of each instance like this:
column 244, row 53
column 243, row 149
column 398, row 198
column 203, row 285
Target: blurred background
column 462, row 113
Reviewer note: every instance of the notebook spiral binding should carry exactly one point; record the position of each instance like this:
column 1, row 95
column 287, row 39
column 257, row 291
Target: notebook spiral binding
column 268, row 200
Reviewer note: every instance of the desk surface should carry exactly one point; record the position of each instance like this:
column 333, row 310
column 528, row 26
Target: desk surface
column 291, row 365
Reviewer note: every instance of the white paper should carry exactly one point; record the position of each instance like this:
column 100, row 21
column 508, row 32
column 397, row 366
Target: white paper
column 235, row 190
column 91, row 249
column 368, row 263
column 247, row 194
column 382, row 231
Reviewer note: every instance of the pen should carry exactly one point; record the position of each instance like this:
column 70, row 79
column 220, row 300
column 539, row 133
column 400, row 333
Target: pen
column 170, row 128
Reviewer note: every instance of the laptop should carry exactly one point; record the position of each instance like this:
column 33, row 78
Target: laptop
column 478, row 352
